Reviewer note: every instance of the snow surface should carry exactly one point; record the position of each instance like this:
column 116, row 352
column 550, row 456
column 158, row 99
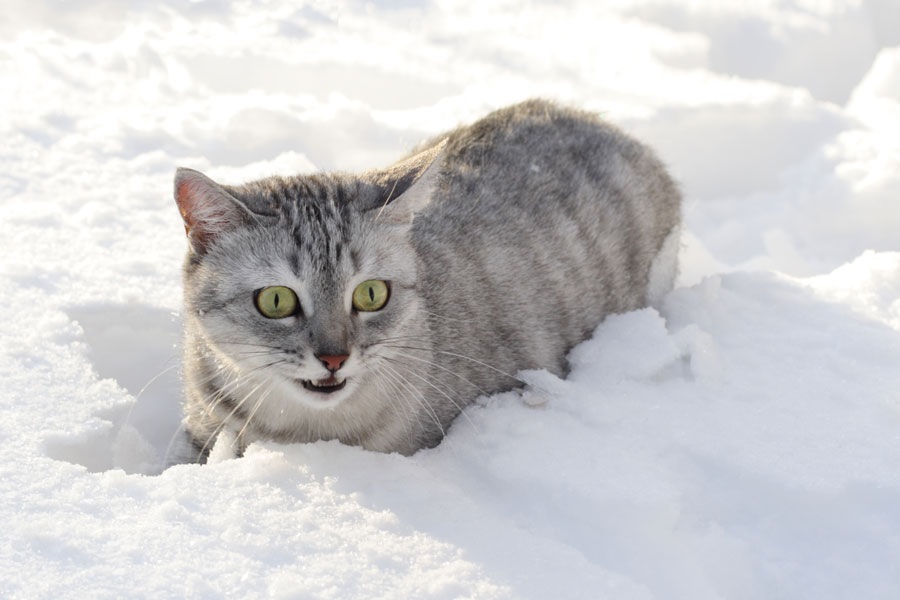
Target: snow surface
column 740, row 441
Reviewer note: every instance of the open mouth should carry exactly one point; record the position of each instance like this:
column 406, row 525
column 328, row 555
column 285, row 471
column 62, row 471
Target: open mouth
column 324, row 386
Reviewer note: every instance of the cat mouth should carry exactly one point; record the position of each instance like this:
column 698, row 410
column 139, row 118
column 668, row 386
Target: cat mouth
column 328, row 385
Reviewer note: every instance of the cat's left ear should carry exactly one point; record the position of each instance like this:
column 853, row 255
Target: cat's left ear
column 410, row 186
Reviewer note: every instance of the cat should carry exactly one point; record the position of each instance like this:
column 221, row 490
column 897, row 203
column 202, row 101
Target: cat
column 373, row 308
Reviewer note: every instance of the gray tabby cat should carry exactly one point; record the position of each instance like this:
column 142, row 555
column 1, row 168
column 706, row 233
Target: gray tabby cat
column 373, row 308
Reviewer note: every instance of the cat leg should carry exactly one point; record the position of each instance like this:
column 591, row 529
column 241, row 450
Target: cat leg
column 225, row 447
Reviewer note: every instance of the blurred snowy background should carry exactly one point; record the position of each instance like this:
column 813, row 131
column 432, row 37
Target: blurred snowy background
column 743, row 441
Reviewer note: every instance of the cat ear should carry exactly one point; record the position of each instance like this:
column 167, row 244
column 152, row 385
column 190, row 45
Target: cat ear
column 412, row 184
column 207, row 209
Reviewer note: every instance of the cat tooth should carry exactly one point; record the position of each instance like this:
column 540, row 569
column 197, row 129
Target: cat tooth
column 327, row 385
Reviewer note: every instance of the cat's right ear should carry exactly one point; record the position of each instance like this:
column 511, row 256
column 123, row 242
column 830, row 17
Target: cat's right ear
column 206, row 208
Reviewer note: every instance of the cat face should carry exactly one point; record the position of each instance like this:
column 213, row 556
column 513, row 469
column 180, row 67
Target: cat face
column 294, row 294
column 279, row 313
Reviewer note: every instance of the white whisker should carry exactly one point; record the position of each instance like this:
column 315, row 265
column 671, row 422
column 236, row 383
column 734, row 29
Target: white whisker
column 417, row 395
column 463, row 356
column 440, row 391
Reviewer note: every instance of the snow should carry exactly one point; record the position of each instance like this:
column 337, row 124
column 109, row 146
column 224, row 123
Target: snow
column 741, row 439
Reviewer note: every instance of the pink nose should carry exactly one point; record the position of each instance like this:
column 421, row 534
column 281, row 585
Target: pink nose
column 333, row 362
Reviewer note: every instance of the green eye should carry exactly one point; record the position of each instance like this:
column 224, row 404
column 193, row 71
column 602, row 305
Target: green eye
column 276, row 302
column 370, row 295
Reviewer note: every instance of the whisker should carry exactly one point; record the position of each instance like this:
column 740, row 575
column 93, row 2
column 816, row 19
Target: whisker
column 443, row 368
column 127, row 419
column 434, row 314
column 236, row 378
column 153, row 380
column 221, row 394
column 420, row 399
column 214, row 343
column 440, row 391
column 421, row 338
column 388, row 386
column 463, row 356
column 165, row 458
column 250, row 353
column 259, row 402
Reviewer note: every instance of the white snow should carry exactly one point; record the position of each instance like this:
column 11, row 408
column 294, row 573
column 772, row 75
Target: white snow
column 740, row 440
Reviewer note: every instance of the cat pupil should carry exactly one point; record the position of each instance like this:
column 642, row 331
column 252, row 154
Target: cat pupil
column 276, row 300
column 371, row 293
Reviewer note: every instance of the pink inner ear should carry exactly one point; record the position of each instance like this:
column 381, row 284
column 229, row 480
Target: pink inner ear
column 184, row 200
column 206, row 209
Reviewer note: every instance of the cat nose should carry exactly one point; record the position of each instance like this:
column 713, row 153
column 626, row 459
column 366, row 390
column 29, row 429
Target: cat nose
column 332, row 362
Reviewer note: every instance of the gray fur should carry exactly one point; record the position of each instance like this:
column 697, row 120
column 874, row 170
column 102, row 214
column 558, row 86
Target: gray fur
column 505, row 243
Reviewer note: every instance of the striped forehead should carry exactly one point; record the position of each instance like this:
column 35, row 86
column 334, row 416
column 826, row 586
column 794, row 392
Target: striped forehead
column 320, row 222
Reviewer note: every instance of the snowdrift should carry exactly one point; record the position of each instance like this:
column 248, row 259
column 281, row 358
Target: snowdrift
column 740, row 440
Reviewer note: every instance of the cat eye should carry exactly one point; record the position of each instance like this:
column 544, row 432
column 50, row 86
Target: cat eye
column 371, row 295
column 276, row 302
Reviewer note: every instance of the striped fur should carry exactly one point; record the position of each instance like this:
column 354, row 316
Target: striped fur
column 505, row 244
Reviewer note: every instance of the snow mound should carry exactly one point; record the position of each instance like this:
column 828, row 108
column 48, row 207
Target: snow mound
column 737, row 440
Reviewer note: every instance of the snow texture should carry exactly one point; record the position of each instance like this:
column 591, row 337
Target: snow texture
column 741, row 439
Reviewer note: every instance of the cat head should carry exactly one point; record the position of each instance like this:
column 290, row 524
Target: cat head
column 292, row 283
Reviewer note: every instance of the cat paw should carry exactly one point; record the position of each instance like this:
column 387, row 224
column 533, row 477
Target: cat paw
column 225, row 447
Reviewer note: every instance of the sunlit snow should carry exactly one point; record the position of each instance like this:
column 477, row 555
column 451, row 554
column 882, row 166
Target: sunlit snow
column 739, row 440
